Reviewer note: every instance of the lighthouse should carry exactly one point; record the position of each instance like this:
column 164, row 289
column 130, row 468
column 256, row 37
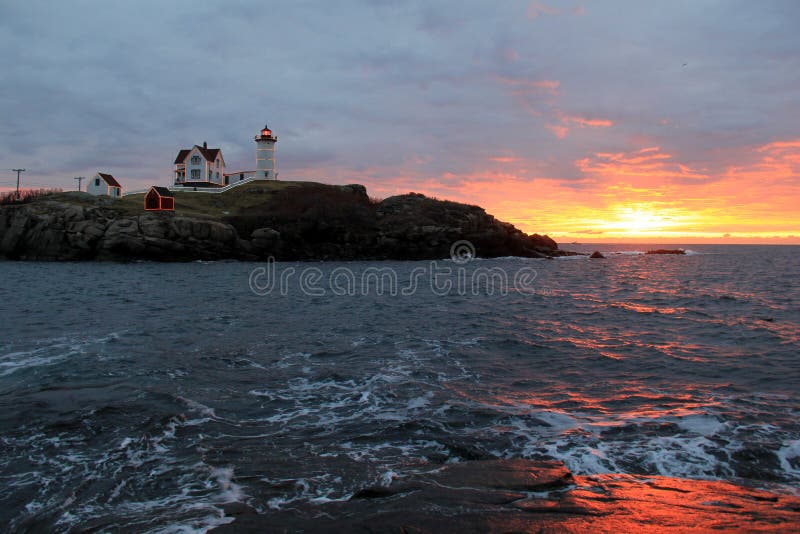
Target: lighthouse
column 265, row 154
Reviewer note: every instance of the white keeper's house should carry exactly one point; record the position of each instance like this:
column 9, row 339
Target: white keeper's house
column 201, row 166
column 104, row 184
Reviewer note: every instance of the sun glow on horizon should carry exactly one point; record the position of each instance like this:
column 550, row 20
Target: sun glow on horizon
column 638, row 220
column 642, row 195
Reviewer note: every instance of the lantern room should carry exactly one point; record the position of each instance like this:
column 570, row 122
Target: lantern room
column 266, row 134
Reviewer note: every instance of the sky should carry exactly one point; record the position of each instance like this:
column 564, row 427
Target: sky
column 595, row 121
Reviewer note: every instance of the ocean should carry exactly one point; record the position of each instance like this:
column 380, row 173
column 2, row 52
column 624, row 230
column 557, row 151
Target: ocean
column 147, row 396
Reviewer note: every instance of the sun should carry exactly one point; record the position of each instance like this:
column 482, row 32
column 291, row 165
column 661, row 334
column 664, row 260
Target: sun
column 642, row 220
column 638, row 220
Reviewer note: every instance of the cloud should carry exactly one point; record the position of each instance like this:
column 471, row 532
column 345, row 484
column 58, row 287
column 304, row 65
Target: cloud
column 528, row 87
column 777, row 162
column 647, row 166
column 780, row 146
column 535, row 9
column 561, row 129
column 583, row 122
column 536, row 97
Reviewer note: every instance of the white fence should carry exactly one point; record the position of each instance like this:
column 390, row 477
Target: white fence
column 198, row 189
column 136, row 192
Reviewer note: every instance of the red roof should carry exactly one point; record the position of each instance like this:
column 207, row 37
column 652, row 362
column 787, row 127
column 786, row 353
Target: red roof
column 209, row 153
column 182, row 155
column 162, row 191
column 109, row 179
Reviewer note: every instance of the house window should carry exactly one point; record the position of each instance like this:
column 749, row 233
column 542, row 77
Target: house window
column 209, row 175
column 195, row 174
column 97, row 182
column 195, row 159
column 266, row 174
column 217, row 177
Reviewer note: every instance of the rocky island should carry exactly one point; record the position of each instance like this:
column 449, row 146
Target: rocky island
column 284, row 220
column 677, row 251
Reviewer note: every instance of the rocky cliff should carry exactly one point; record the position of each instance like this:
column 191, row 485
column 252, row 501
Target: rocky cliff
column 289, row 221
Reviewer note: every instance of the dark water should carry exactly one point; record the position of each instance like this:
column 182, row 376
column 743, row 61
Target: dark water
column 146, row 396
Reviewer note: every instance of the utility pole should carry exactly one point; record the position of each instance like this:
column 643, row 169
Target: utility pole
column 18, row 171
column 80, row 179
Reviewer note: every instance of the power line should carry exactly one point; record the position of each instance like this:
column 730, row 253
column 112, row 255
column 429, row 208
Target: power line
column 18, row 171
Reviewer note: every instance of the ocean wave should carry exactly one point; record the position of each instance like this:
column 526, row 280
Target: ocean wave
column 51, row 351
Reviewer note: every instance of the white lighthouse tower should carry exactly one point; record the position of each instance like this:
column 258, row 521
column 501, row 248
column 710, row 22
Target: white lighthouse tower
column 265, row 155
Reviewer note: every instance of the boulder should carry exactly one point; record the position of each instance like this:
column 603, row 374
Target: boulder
column 153, row 226
column 597, row 255
column 356, row 189
column 265, row 239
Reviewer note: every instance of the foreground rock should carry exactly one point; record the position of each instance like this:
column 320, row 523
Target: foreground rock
column 58, row 231
column 531, row 496
column 666, row 251
column 295, row 222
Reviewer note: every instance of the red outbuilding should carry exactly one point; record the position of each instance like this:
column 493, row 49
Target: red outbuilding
column 159, row 199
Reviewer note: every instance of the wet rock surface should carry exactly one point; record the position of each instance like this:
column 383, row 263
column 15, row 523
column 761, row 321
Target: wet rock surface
column 540, row 496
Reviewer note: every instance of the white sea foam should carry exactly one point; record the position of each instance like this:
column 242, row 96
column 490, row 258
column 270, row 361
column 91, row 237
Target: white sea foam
column 51, row 351
column 576, row 257
column 789, row 454
column 704, row 425
column 388, row 477
column 419, row 402
column 202, row 409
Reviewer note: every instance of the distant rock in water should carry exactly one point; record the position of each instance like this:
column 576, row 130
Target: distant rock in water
column 533, row 496
column 666, row 251
column 597, row 255
column 284, row 220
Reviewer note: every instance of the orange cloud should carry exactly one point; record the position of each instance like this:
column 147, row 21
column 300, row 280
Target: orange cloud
column 779, row 146
column 648, row 166
column 561, row 130
column 591, row 123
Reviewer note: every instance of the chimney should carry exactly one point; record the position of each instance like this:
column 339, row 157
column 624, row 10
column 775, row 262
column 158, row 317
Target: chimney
column 205, row 145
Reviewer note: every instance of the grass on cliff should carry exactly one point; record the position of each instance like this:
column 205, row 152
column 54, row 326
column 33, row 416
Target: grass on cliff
column 25, row 195
column 235, row 201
